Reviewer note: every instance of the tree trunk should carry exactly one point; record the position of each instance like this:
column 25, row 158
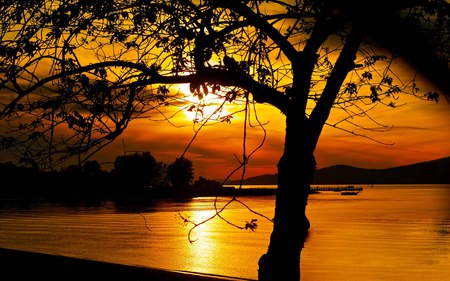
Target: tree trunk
column 295, row 173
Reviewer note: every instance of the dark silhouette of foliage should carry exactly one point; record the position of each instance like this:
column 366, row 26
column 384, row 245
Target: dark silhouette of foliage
column 137, row 174
column 136, row 170
column 16, row 180
column 92, row 168
column 181, row 172
column 74, row 73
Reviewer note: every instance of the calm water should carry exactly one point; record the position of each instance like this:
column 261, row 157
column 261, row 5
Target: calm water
column 384, row 233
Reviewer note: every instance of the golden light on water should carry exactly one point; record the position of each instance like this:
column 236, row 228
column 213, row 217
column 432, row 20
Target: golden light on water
column 387, row 232
column 218, row 244
column 203, row 244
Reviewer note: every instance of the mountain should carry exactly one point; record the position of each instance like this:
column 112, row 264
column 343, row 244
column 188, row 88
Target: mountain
column 429, row 172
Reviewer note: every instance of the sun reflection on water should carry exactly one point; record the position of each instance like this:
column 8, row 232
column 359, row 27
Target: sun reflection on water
column 204, row 244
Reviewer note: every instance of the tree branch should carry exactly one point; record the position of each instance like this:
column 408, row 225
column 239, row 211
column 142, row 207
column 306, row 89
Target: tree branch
column 257, row 21
column 261, row 93
column 24, row 92
column 343, row 66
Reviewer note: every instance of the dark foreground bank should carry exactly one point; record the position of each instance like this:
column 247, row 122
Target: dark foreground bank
column 22, row 265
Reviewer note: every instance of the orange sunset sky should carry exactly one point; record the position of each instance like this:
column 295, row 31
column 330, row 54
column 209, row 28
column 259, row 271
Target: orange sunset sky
column 420, row 132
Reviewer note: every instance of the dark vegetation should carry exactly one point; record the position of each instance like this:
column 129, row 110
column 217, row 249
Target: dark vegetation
column 136, row 175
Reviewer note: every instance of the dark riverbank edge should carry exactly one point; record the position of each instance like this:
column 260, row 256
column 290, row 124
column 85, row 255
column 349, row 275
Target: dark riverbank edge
column 24, row 265
column 146, row 197
column 148, row 194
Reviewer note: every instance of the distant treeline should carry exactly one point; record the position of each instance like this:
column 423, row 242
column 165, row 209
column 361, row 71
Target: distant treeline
column 133, row 175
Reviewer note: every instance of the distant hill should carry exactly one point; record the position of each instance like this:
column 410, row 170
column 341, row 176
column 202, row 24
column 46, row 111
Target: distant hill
column 430, row 172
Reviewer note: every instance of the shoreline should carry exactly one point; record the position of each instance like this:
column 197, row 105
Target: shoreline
column 25, row 265
column 153, row 194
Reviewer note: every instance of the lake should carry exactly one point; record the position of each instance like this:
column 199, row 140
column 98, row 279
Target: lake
column 386, row 232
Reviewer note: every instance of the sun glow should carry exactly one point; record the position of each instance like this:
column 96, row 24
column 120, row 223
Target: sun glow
column 201, row 108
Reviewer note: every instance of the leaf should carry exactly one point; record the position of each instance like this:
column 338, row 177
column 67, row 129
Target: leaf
column 163, row 90
column 432, row 96
column 374, row 94
column 252, row 225
column 387, row 80
column 226, row 119
column 367, row 75
column 351, row 88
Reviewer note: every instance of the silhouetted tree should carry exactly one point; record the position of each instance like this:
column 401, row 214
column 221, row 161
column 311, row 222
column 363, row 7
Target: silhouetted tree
column 92, row 168
column 136, row 170
column 181, row 172
column 161, row 179
column 18, row 181
column 86, row 68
